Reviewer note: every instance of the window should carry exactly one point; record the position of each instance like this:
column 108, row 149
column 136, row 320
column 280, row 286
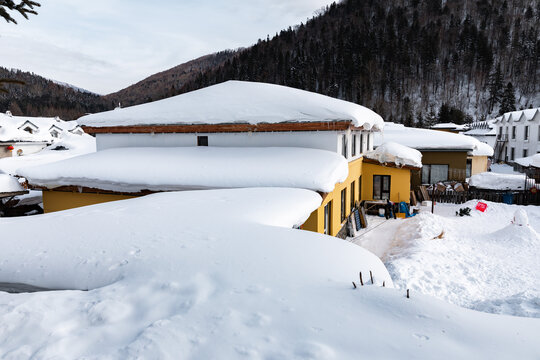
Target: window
column 353, row 149
column 368, row 142
column 538, row 132
column 202, row 140
column 512, row 153
column 468, row 169
column 381, row 187
column 344, row 146
column 432, row 174
column 328, row 218
column 343, row 202
column 360, row 188
column 513, row 132
column 361, row 143
column 353, row 193
column 28, row 129
column 526, row 132
column 525, row 152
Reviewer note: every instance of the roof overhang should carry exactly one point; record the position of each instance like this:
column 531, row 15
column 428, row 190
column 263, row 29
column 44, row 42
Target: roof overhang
column 390, row 164
column 225, row 128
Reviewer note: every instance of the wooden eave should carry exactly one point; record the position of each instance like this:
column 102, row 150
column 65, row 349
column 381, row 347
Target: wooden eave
column 223, row 128
column 89, row 190
column 390, row 164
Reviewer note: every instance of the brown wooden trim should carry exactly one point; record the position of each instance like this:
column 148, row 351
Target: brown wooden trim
column 390, row 164
column 222, row 128
column 84, row 189
column 323, row 195
column 13, row 193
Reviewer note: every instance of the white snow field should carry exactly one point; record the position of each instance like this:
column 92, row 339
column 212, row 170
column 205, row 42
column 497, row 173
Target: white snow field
column 201, row 167
column 482, row 261
column 500, row 181
column 220, row 274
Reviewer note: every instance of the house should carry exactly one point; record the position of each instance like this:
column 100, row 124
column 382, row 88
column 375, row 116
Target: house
column 23, row 135
column 518, row 135
column 234, row 134
column 445, row 156
column 484, row 131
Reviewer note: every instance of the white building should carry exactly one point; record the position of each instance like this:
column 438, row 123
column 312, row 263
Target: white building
column 518, row 135
column 24, row 135
column 484, row 131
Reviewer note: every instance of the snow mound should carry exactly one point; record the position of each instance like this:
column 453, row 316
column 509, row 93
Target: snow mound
column 239, row 102
column 521, row 218
column 391, row 152
column 478, row 261
column 9, row 184
column 136, row 169
column 220, row 274
column 499, row 181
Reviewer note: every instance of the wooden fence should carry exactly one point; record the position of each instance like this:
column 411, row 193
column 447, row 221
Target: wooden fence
column 516, row 197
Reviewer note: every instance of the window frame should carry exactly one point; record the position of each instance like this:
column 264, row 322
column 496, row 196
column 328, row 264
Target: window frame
column 343, row 204
column 327, row 222
column 353, row 195
column 353, row 145
column 378, row 193
column 202, row 140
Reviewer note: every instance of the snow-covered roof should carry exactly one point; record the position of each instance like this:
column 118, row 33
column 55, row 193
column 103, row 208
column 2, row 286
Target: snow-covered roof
column 431, row 140
column 497, row 181
column 533, row 160
column 450, row 126
column 391, row 152
column 12, row 128
column 526, row 115
column 482, row 128
column 184, row 168
column 239, row 102
column 9, row 184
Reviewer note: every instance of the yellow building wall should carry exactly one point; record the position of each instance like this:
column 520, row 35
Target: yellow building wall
column 63, row 200
column 400, row 182
column 316, row 220
column 400, row 185
column 479, row 164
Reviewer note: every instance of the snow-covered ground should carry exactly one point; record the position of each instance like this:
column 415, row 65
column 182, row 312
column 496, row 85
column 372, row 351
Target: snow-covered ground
column 503, row 169
column 482, row 261
column 221, row 274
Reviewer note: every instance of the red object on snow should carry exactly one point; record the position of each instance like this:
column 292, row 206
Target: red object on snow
column 10, row 147
column 481, row 206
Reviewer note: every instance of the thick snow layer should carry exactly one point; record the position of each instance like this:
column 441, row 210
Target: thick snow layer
column 450, row 126
column 533, row 160
column 391, row 152
column 426, row 139
column 9, row 184
column 239, row 102
column 220, row 274
column 485, row 261
column 181, row 168
column 503, row 169
column 73, row 144
column 498, row 181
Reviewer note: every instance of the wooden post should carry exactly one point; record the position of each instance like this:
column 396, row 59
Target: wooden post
column 371, row 276
column 407, row 293
column 353, row 284
column 361, row 282
column 383, row 283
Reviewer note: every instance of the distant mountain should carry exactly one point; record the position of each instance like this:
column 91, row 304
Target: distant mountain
column 167, row 83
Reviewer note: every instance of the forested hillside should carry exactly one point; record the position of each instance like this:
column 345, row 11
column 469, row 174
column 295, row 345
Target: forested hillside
column 404, row 58
column 413, row 61
column 43, row 97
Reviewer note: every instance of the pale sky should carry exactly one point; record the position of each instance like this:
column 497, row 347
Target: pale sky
column 106, row 45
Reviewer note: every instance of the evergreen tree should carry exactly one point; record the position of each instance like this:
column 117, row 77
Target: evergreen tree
column 495, row 88
column 419, row 120
column 508, row 100
column 24, row 8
